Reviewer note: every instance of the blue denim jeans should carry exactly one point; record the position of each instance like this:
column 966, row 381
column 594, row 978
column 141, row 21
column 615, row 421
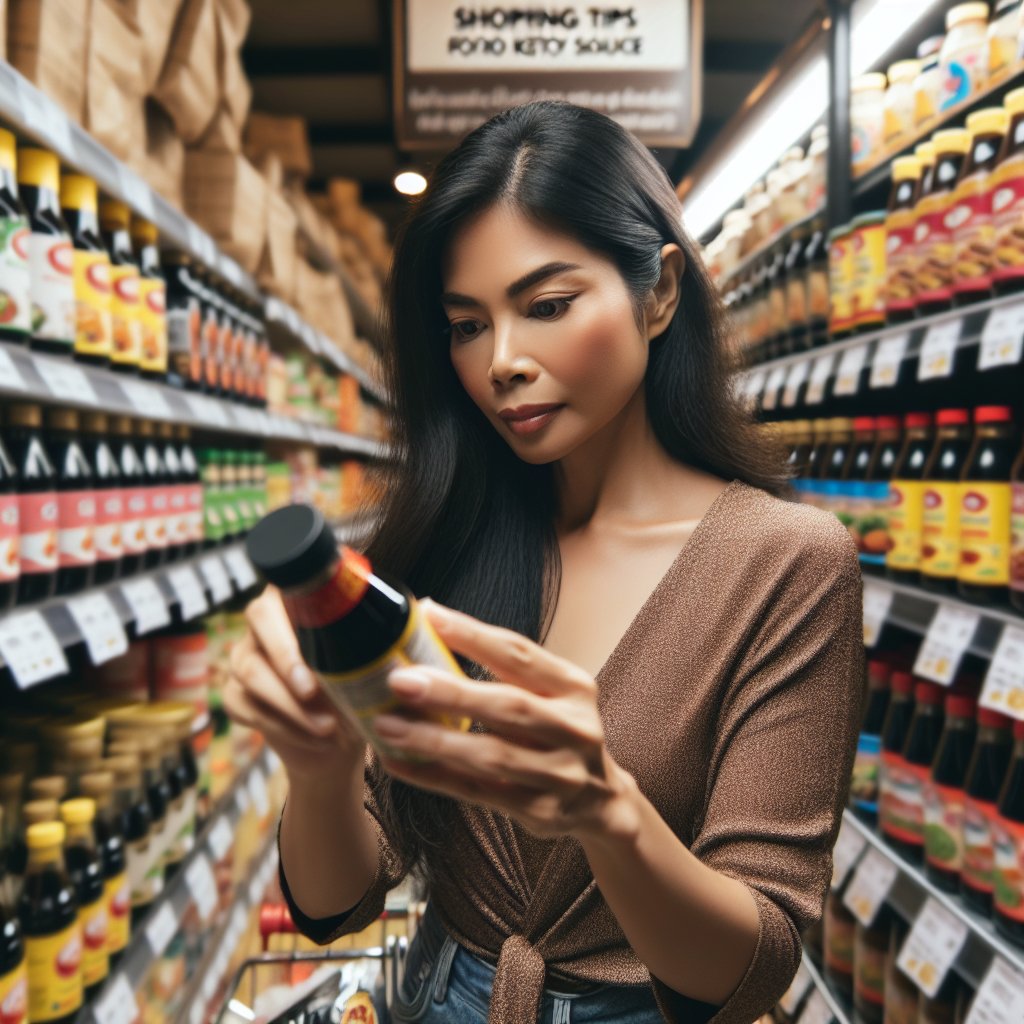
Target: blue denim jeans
column 446, row 984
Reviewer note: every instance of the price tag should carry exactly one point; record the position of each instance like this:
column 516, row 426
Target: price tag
column 240, row 568
column 202, row 885
column 1004, row 683
column 798, row 987
column 850, row 367
column 10, row 378
column 117, row 1003
column 870, row 886
column 258, row 793
column 798, row 374
column 189, row 591
column 849, row 846
column 776, row 379
column 948, row 637
column 877, row 602
column 63, row 380
column 1002, row 338
column 47, row 118
column 100, row 626
column 137, row 193
column 819, row 378
column 221, row 838
column 146, row 399
column 886, row 366
column 816, row 1010
column 935, row 939
column 1000, row 999
column 30, row 650
column 160, row 930
column 147, row 604
column 937, row 349
column 216, row 578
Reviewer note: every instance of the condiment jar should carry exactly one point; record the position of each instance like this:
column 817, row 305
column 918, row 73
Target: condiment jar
column 1002, row 39
column 840, row 281
column 867, row 118
column 899, row 101
column 899, row 239
column 1006, row 186
column 868, row 253
column 928, row 83
column 963, row 60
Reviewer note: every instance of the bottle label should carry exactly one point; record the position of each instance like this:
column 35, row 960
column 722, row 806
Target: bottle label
column 1017, row 539
column 227, row 357
column 970, row 221
column 985, row 534
column 901, row 997
column 52, row 288
column 211, row 351
column 906, row 515
column 869, row 981
column 840, row 317
column 940, row 551
column 979, row 854
column 962, row 76
column 145, row 867
column 840, row 937
column 153, row 325
column 1008, row 881
column 117, row 892
column 15, row 278
column 76, row 537
column 240, row 374
column 213, row 523
column 125, row 315
column 133, row 533
column 37, row 546
column 109, row 525
column 195, row 512
column 870, row 522
column 156, row 517
column 933, row 245
column 177, row 520
column 864, row 787
column 54, row 974
column 901, row 814
column 14, row 995
column 92, row 303
column 10, row 568
column 943, row 831
column 184, row 341
column 95, row 956
column 869, row 272
column 899, row 244
column 1007, row 186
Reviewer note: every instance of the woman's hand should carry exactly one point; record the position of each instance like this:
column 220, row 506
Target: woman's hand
column 271, row 689
column 543, row 760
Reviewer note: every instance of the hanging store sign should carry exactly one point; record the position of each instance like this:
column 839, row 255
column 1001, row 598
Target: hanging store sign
column 457, row 64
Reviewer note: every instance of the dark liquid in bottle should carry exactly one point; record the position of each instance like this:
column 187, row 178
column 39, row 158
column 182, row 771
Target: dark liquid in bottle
column 9, row 566
column 75, row 487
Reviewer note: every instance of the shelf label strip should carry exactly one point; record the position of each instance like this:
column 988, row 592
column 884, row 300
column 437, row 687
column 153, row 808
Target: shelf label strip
column 934, row 942
column 30, row 649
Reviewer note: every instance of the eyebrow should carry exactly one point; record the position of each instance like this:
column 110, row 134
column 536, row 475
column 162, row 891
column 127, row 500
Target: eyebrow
column 517, row 287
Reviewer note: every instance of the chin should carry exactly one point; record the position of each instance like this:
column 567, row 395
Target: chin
column 540, row 451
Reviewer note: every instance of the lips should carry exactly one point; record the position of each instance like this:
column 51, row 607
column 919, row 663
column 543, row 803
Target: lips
column 527, row 419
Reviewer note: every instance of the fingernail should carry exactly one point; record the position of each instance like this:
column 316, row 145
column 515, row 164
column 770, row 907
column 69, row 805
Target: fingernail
column 303, row 682
column 323, row 723
column 390, row 727
column 409, row 682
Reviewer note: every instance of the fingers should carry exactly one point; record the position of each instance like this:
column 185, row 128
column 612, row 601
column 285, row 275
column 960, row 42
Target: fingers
column 273, row 631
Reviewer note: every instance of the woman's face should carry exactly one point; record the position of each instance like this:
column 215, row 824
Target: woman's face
column 543, row 334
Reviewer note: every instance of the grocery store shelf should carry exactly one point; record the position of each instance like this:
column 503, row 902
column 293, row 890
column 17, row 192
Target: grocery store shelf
column 155, row 931
column 908, row 895
column 841, row 1013
column 758, row 253
column 54, row 379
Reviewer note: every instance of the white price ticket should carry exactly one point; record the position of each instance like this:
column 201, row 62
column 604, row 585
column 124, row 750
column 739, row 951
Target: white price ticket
column 878, row 600
column 870, row 886
column 146, row 399
column 776, row 379
column 63, row 380
column 928, row 952
column 1002, row 338
column 946, row 642
column 849, row 846
column 10, row 377
column 216, row 578
column 30, row 650
column 816, row 1010
column 1000, row 999
column 1004, row 684
column 819, row 378
column 240, row 568
column 798, row 374
column 100, row 626
column 850, row 367
column 798, row 987
column 117, row 1003
column 161, row 928
column 147, row 604
column 221, row 838
column 189, row 591
column 885, row 368
column 937, row 349
column 755, row 384
column 202, row 885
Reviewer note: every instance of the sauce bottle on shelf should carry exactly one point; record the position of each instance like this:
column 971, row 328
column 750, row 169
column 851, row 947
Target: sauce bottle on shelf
column 901, row 993
column 76, row 501
column 125, row 294
column 949, row 1005
column 13, row 971
column 860, row 505
column 213, row 519
column 1016, row 533
column 940, row 553
column 906, row 499
column 899, row 231
column 50, row 255
column 835, row 487
column 1008, row 844
column 135, row 496
column 797, row 313
column 944, row 794
column 144, row 879
column 840, row 928
column 156, row 496
column 1006, row 185
column 10, row 567
column 177, row 494
column 48, row 909
column 873, row 528
column 815, row 260
column 810, row 488
column 93, row 334
column 985, row 774
column 864, row 787
column 933, row 240
column 37, row 504
column 236, row 491
column 870, row 949
column 985, row 506
column 259, row 462
column 85, row 868
column 15, row 240
column 184, row 323
column 231, row 342
column 152, row 300
column 840, row 282
column 110, row 511
column 819, row 301
column 970, row 217
column 33, row 812
column 212, row 335
column 869, row 271
column 194, row 491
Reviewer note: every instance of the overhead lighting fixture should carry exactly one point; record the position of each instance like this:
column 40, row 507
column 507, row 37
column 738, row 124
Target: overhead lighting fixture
column 410, row 183
column 793, row 107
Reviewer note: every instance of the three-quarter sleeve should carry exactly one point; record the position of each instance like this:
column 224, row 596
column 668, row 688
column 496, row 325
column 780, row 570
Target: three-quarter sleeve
column 782, row 756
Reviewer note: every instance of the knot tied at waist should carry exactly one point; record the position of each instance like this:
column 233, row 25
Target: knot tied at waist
column 518, row 983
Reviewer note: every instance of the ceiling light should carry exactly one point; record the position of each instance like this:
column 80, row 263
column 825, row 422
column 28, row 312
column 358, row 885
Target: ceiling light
column 410, row 183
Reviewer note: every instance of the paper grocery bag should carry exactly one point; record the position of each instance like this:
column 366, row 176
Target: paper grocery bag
column 189, row 84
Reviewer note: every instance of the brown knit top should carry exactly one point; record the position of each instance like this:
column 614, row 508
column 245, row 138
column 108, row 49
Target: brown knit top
column 734, row 698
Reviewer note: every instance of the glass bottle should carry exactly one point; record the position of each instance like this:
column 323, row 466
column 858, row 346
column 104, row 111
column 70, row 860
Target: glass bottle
column 798, row 319
column 1016, row 533
column 194, row 490
column 76, row 499
column 899, row 229
column 135, row 496
column 864, row 788
column 156, row 496
column 184, row 323
column 835, row 469
column 213, row 521
column 1008, row 844
column 110, row 512
column 145, row 875
column 13, row 970
column 15, row 243
column 10, row 567
column 125, row 294
column 906, row 499
column 177, row 494
column 940, row 553
column 152, row 300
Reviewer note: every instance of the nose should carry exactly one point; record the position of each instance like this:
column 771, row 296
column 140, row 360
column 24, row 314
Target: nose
column 509, row 364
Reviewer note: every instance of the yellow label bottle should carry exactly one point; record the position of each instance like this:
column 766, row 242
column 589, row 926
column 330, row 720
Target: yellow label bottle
column 940, row 553
column 117, row 892
column 86, row 871
column 14, row 995
column 906, row 524
column 985, row 534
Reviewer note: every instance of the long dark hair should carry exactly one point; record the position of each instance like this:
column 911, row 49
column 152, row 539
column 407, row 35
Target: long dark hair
column 464, row 520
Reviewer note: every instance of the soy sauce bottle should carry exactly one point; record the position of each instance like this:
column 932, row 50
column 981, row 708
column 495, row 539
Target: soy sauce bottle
column 835, row 486
column 194, row 490
column 860, row 503
column 145, row 877
column 37, row 504
column 1008, row 840
column 152, row 300
column 893, row 784
column 13, row 970
column 840, row 928
column 48, row 909
column 184, row 323
column 156, row 496
column 940, row 554
column 985, row 775
column 10, row 568
column 135, row 496
column 944, row 794
column 864, row 787
column 918, row 756
column 177, row 494
column 15, row 235
column 906, row 499
column 125, row 295
column 110, row 513
column 76, row 498
column 85, row 869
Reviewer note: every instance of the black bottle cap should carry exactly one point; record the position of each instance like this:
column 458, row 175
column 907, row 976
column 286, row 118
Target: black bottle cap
column 292, row 545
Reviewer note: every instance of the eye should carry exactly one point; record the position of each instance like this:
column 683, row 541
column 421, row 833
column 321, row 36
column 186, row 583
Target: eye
column 551, row 309
column 465, row 330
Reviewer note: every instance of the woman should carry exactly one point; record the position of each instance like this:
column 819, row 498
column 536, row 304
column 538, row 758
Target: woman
column 666, row 656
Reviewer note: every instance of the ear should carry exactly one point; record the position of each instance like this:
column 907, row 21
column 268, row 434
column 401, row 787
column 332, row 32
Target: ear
column 663, row 300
